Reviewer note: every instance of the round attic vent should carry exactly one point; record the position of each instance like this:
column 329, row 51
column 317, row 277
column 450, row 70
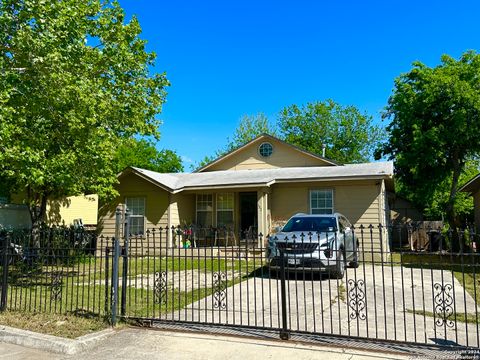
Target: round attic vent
column 265, row 149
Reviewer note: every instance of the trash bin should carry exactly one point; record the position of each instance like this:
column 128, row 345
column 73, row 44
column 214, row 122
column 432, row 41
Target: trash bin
column 435, row 239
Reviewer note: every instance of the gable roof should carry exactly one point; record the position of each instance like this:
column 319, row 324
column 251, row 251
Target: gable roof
column 472, row 186
column 259, row 138
column 178, row 182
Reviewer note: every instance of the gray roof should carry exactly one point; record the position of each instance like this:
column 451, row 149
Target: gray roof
column 177, row 182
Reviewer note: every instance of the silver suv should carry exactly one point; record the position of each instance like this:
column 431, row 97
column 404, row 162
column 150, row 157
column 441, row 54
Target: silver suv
column 314, row 243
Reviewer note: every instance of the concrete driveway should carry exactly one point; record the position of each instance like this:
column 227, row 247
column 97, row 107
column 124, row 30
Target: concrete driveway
column 372, row 301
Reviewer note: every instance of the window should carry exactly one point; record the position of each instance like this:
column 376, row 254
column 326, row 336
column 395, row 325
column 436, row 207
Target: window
column 225, row 209
column 265, row 149
column 204, row 210
column 136, row 205
column 321, row 201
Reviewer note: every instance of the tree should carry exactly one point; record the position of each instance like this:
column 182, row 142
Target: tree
column 435, row 122
column 144, row 154
column 75, row 81
column 349, row 136
column 249, row 127
column 434, row 208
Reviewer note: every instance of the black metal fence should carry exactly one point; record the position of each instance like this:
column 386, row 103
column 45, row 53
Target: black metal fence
column 345, row 283
column 59, row 270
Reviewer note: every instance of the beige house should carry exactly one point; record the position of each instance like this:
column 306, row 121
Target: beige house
column 254, row 188
column 473, row 187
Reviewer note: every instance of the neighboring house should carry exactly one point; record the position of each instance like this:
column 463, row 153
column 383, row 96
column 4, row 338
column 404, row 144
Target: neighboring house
column 15, row 215
column 257, row 186
column 473, row 187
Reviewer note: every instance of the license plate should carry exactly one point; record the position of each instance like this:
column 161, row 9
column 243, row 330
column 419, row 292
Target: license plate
column 293, row 261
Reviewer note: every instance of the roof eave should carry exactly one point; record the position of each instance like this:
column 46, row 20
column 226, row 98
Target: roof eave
column 131, row 170
column 280, row 181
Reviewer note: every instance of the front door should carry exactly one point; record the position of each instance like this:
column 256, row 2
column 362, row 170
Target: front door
column 248, row 214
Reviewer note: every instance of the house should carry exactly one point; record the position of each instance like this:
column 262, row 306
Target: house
column 256, row 187
column 15, row 215
column 473, row 187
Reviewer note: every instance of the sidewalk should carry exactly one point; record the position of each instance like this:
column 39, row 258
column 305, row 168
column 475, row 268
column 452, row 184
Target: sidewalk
column 138, row 343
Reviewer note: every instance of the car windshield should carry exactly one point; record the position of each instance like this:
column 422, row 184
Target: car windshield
column 313, row 224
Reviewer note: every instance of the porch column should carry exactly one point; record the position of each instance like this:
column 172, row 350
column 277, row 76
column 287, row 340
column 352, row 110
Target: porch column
column 262, row 204
column 384, row 220
column 169, row 221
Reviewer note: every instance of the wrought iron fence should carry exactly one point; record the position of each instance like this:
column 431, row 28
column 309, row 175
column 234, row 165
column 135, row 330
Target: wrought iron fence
column 344, row 283
column 317, row 282
column 58, row 270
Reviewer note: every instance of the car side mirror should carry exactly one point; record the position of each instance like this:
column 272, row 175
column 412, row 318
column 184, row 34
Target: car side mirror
column 277, row 229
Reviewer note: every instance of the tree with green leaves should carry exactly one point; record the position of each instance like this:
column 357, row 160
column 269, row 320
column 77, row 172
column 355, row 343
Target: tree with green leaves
column 434, row 207
column 348, row 135
column 143, row 154
column 435, row 122
column 75, row 81
column 249, row 127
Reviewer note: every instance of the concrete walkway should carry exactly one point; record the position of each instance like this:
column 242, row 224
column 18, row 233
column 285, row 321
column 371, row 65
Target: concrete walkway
column 137, row 343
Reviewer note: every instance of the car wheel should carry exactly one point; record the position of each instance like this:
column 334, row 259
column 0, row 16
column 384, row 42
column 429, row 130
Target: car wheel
column 339, row 271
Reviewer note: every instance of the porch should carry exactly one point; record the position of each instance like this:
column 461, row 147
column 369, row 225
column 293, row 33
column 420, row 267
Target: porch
column 218, row 218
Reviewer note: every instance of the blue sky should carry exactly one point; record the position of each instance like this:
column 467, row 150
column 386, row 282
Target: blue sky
column 229, row 58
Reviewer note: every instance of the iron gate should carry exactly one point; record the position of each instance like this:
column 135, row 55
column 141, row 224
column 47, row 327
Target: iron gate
column 184, row 275
column 429, row 297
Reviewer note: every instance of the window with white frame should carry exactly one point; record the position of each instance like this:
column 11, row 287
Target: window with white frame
column 204, row 210
column 225, row 209
column 136, row 205
column 321, row 201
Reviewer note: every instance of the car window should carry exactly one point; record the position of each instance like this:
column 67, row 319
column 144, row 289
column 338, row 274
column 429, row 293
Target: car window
column 311, row 224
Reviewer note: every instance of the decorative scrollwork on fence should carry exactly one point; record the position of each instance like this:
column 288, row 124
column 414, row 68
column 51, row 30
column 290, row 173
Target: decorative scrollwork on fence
column 160, row 287
column 443, row 304
column 356, row 299
column 219, row 290
column 56, row 286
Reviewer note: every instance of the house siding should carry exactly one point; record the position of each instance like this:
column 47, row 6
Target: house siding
column 282, row 156
column 360, row 201
column 156, row 204
column 83, row 207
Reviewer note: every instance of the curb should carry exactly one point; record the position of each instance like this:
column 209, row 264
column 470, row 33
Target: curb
column 52, row 343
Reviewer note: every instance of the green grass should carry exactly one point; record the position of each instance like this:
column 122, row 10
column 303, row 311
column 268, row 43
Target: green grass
column 460, row 317
column 471, row 283
column 82, row 286
column 143, row 304
column 70, row 325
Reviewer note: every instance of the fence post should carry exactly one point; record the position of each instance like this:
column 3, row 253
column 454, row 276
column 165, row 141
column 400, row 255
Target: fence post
column 3, row 300
column 284, row 333
column 116, row 256
column 107, row 276
column 125, row 262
